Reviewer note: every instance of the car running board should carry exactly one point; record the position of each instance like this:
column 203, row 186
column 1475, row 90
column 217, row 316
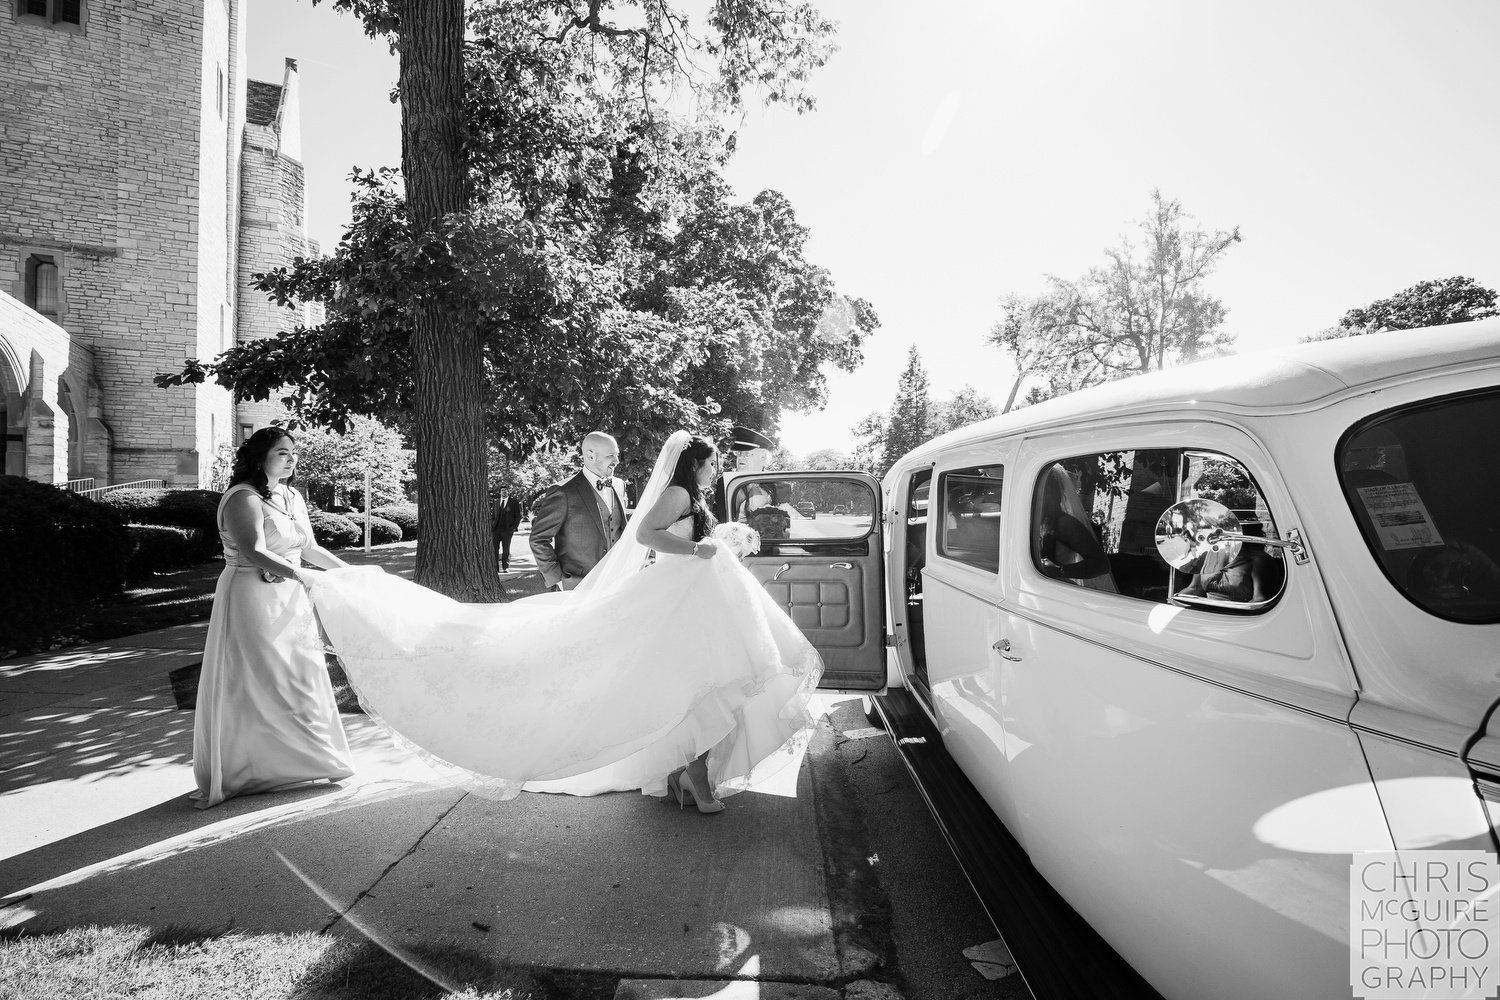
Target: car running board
column 1056, row 951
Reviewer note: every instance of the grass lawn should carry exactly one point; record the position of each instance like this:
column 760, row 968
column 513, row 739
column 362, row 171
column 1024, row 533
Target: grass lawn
column 182, row 964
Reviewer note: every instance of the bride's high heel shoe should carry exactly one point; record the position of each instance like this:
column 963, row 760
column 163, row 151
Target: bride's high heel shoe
column 675, row 790
column 687, row 788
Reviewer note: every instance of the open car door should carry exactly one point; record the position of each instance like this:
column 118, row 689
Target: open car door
column 821, row 559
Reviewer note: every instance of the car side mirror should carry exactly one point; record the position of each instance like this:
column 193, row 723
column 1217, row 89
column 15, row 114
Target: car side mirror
column 1191, row 529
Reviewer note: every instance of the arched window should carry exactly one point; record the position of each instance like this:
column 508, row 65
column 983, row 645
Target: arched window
column 42, row 286
column 12, row 429
column 75, row 451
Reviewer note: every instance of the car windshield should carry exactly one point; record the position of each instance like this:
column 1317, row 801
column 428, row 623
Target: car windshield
column 1422, row 482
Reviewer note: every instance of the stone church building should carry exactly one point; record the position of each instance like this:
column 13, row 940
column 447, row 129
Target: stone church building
column 143, row 179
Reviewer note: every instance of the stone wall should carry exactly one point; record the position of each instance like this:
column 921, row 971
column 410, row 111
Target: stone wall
column 118, row 161
column 35, row 354
column 273, row 233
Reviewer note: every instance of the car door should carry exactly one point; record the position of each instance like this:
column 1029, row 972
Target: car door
column 961, row 609
column 824, row 569
column 1182, row 769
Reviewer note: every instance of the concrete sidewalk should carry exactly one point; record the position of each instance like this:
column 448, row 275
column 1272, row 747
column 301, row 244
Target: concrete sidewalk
column 96, row 827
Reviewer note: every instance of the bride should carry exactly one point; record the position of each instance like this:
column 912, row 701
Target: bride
column 678, row 675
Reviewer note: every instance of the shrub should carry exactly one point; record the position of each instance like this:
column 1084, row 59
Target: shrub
column 58, row 553
column 156, row 548
column 190, row 509
column 196, row 510
column 134, row 505
column 403, row 514
column 382, row 531
column 335, row 531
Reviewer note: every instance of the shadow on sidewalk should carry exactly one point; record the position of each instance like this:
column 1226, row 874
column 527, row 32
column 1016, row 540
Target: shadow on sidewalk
column 173, row 820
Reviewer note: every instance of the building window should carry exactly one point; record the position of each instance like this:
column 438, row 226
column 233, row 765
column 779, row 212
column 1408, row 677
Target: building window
column 221, row 92
column 43, row 289
column 67, row 15
column 245, row 431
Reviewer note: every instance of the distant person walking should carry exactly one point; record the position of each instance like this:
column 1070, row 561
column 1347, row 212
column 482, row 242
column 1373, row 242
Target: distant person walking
column 266, row 714
column 576, row 521
column 505, row 517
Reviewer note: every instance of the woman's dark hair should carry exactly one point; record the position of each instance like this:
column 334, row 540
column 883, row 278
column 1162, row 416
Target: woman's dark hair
column 697, row 451
column 251, row 456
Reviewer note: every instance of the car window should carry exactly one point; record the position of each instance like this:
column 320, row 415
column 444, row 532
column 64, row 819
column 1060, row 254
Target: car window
column 1421, row 482
column 1094, row 517
column 804, row 509
column 970, row 527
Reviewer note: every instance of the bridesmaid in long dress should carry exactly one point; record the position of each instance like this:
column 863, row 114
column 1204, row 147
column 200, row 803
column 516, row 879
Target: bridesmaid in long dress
column 266, row 714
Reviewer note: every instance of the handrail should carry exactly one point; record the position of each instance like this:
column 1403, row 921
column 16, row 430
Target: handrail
column 139, row 484
column 76, row 485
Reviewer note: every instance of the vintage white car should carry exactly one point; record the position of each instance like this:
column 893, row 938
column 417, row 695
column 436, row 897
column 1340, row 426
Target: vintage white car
column 1196, row 639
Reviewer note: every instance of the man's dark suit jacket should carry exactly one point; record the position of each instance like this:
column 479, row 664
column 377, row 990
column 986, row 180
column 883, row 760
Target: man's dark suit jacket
column 567, row 531
column 506, row 517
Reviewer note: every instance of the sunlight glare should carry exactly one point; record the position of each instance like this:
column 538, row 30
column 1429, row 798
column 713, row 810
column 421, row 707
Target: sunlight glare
column 941, row 120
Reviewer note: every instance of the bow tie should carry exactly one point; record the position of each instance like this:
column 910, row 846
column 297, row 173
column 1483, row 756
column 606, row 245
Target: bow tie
column 602, row 485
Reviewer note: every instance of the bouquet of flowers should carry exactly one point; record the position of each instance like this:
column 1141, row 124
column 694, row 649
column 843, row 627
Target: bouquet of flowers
column 741, row 539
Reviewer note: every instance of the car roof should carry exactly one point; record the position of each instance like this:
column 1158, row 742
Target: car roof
column 1283, row 379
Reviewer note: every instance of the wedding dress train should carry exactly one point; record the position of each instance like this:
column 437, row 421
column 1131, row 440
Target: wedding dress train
column 600, row 689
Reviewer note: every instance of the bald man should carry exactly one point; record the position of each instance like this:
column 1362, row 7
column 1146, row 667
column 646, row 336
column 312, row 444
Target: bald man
column 576, row 521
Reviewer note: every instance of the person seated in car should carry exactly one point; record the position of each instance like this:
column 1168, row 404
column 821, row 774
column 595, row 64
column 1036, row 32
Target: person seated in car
column 1065, row 544
column 1236, row 579
column 770, row 519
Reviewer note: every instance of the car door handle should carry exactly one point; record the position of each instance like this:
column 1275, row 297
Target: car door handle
column 842, row 565
column 780, row 570
column 1002, row 647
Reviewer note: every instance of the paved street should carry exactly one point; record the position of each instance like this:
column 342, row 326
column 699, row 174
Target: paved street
column 830, row 877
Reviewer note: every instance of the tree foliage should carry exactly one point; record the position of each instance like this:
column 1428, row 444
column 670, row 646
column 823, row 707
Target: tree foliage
column 614, row 282
column 824, row 459
column 869, row 443
column 911, row 414
column 560, row 278
column 1144, row 310
column 968, row 406
column 332, row 464
column 1427, row 303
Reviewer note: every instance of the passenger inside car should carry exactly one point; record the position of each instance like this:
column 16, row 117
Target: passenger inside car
column 1252, row 576
column 1064, row 545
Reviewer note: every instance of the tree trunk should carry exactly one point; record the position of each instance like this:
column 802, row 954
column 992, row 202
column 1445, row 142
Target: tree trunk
column 1015, row 387
column 454, row 555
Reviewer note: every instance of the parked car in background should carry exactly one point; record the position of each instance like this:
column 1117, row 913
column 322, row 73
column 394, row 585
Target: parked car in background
column 805, row 508
column 1198, row 638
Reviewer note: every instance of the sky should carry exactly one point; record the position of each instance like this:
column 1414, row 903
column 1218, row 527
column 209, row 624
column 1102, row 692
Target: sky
column 962, row 150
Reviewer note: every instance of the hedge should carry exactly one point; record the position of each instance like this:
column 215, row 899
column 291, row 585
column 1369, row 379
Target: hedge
column 382, row 531
column 58, row 553
column 335, row 531
column 134, row 505
column 196, row 510
column 402, row 514
column 156, row 548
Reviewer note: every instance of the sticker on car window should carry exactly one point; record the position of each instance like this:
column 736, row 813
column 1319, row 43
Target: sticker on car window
column 1399, row 516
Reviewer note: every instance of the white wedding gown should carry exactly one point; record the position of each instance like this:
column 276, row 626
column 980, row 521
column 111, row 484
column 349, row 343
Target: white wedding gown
column 580, row 692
